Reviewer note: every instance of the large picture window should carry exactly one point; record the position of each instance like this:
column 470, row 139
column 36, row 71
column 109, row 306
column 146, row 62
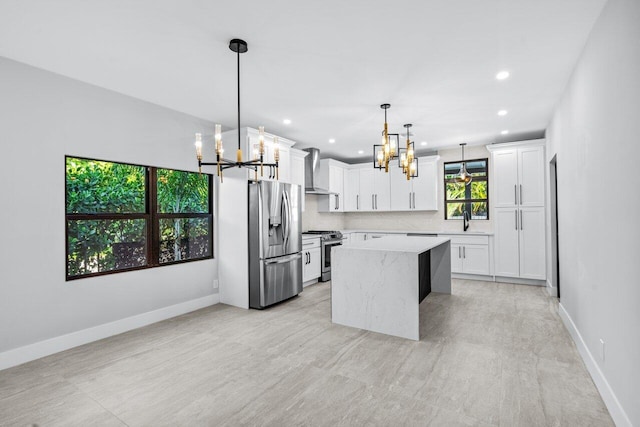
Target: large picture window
column 472, row 198
column 123, row 217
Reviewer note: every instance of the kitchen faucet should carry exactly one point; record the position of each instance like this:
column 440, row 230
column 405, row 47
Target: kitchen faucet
column 465, row 220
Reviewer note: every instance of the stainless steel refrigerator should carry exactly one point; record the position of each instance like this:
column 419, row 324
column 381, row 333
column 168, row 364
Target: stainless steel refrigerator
column 275, row 243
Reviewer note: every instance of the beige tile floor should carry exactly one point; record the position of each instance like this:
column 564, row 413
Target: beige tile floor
column 490, row 354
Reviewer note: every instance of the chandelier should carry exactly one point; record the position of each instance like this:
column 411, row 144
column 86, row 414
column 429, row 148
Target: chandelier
column 239, row 46
column 386, row 151
column 408, row 161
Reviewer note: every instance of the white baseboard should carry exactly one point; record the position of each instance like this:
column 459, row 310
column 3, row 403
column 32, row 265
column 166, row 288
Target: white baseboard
column 552, row 290
column 616, row 410
column 27, row 353
column 465, row 276
column 519, row 281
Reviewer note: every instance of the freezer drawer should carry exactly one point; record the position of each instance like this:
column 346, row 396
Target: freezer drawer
column 277, row 280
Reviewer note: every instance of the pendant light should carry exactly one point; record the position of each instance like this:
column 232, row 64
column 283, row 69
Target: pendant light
column 386, row 151
column 407, row 160
column 463, row 175
column 239, row 46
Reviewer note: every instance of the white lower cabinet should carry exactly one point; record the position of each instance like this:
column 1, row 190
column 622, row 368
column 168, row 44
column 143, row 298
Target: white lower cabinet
column 519, row 242
column 310, row 260
column 470, row 254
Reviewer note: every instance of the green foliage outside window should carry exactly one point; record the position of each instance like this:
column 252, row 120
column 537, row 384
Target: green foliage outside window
column 473, row 198
column 108, row 219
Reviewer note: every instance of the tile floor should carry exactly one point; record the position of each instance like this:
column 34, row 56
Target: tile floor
column 490, row 354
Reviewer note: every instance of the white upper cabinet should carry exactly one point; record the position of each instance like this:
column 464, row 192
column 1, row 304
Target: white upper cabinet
column 331, row 177
column 402, row 194
column 425, row 185
column 297, row 171
column 419, row 193
column 531, row 176
column 374, row 188
column 518, row 176
column 249, row 141
column 505, row 178
column 352, row 190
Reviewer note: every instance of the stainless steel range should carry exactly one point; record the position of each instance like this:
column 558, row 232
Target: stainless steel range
column 328, row 239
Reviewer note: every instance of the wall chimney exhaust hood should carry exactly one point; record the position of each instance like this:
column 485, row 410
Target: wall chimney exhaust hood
column 312, row 172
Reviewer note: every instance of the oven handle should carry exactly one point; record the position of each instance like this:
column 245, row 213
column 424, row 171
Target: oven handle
column 332, row 243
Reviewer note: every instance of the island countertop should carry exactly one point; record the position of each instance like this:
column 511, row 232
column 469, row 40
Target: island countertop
column 413, row 244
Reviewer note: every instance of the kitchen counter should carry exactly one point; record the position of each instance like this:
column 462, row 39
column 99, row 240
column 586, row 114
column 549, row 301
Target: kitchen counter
column 415, row 245
column 378, row 285
column 468, row 233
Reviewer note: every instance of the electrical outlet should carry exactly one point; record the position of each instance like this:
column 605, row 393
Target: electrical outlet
column 216, row 284
column 601, row 349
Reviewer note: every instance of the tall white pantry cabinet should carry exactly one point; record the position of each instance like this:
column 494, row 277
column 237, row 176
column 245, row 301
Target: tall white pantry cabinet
column 517, row 196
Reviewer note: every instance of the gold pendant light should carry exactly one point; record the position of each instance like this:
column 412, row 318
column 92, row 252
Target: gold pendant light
column 388, row 149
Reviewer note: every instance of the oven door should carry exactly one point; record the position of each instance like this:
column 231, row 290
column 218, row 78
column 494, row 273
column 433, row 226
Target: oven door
column 326, row 254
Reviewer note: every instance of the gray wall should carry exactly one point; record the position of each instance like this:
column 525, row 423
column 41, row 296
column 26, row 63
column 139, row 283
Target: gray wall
column 595, row 132
column 45, row 116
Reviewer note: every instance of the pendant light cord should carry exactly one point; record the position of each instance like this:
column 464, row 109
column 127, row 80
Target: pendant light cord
column 238, row 55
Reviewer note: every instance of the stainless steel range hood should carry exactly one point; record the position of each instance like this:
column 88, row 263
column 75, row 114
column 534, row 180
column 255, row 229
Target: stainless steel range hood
column 312, row 172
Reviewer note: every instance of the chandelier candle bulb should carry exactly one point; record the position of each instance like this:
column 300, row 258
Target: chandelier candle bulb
column 199, row 146
column 261, row 139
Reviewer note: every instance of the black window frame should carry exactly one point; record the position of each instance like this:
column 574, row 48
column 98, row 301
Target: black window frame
column 467, row 201
column 151, row 216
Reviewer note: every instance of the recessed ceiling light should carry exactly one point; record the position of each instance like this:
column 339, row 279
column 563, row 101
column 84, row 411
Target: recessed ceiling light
column 360, row 152
column 423, row 143
column 502, row 112
column 331, row 141
column 287, row 121
column 504, row 132
column 502, row 75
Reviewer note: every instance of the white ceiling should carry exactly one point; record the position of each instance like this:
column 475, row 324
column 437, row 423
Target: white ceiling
column 326, row 65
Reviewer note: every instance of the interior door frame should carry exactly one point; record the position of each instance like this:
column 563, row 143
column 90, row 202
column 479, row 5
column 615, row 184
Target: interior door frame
column 555, row 253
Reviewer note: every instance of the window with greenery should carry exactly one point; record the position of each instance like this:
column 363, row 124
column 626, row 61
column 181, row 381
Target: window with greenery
column 472, row 198
column 123, row 217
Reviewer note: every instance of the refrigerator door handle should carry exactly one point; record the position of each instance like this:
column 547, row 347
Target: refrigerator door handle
column 284, row 259
column 287, row 218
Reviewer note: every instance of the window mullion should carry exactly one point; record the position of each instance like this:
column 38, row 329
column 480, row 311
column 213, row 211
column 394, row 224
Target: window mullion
column 152, row 226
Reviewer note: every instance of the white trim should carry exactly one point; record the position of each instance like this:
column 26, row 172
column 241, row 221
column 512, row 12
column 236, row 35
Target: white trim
column 27, row 353
column 465, row 276
column 501, row 145
column 552, row 290
column 618, row 414
column 520, row 281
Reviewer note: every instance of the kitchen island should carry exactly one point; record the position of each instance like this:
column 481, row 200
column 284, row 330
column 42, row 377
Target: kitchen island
column 378, row 285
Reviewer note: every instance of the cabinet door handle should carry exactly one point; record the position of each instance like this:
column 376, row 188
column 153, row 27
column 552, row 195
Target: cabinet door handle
column 516, row 212
column 376, row 202
column 459, row 253
column 414, row 200
column 373, row 206
column 357, row 202
column 521, row 223
column 338, row 200
column 515, row 194
column 409, row 200
column 464, row 252
column 520, row 195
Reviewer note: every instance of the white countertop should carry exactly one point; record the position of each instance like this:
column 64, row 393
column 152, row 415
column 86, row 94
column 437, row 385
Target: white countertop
column 412, row 244
column 468, row 233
